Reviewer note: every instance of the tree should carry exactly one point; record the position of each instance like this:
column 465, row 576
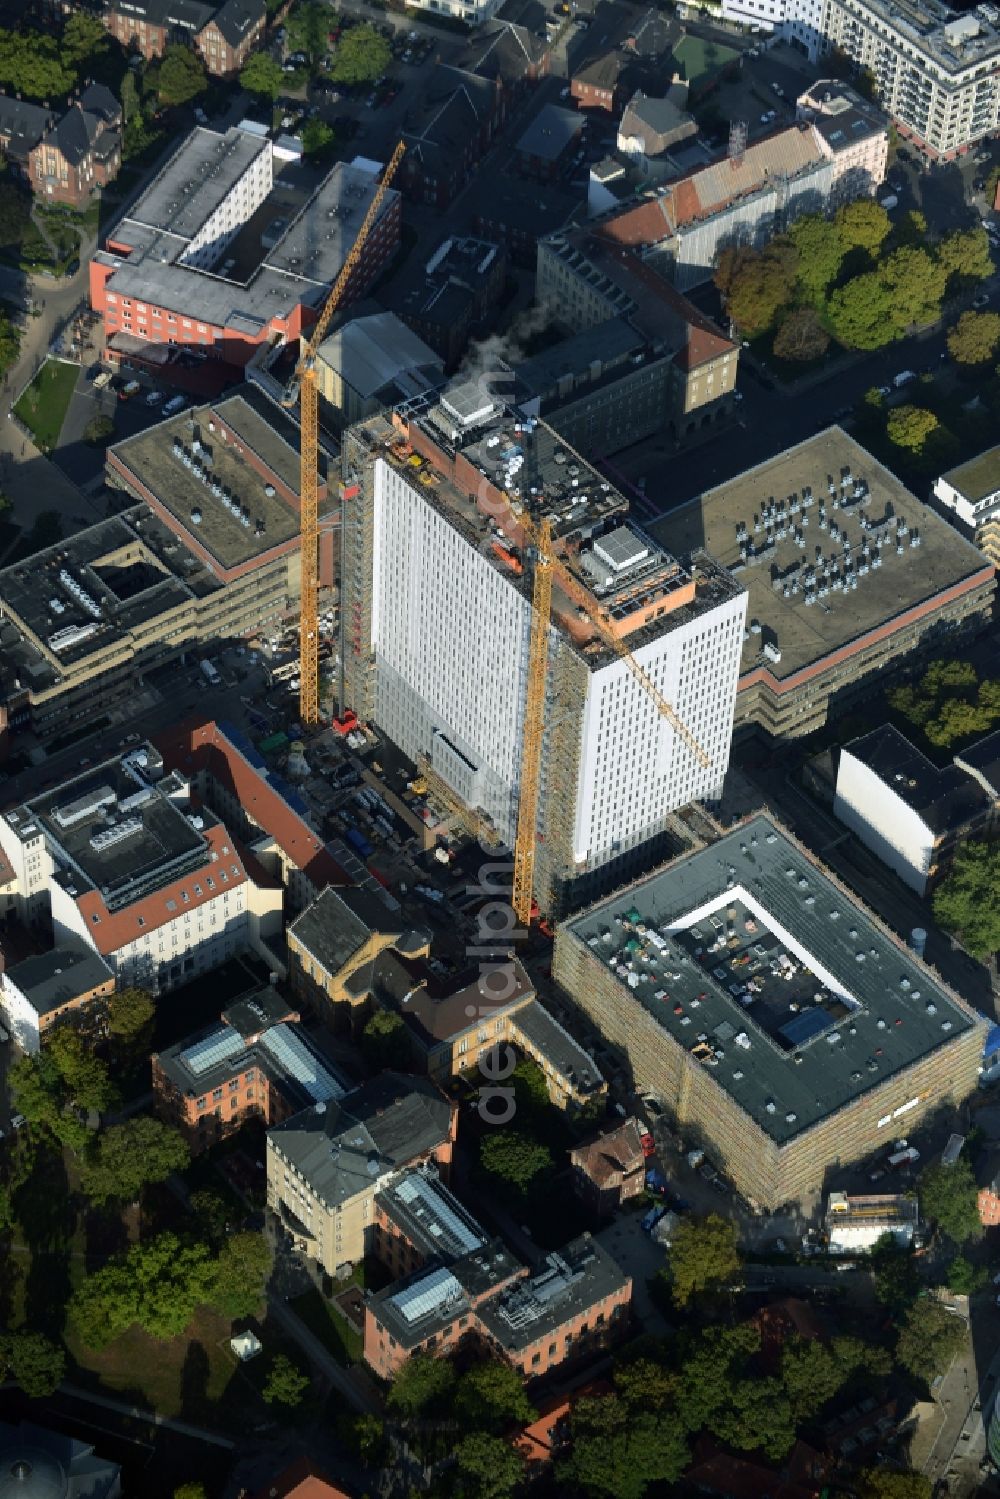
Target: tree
column 911, row 228
column 84, row 40
column 308, row 25
column 801, row 337
column 158, row 1286
column 645, row 1385
column 884, row 1483
column 860, row 313
column 363, row 54
column 262, row 76
column 98, row 429
column 619, row 1452
column 863, row 225
column 975, row 338
column 758, row 1415
column 31, row 63
column 811, row 1374
column 242, row 1270
column 821, row 253
column 758, row 283
column 965, row 255
column 424, row 1384
column 84, row 1075
column 10, row 343
column 492, row 1468
column 317, row 138
column 130, row 1013
column 191, row 1490
column 515, row 1159
column 286, row 1384
column 964, row 1278
column 929, row 1338
column 128, row 1156
column 909, row 427
column 491, row 1397
column 992, row 186
column 968, row 899
column 712, row 1364
column 131, row 107
column 949, row 1197
column 915, row 283
column 897, row 1284
column 385, row 1041
column 182, row 75
column 703, row 1255
column 36, row 1363
column 212, row 1214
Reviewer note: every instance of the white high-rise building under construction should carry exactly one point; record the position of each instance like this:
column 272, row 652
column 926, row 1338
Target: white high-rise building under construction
column 436, row 611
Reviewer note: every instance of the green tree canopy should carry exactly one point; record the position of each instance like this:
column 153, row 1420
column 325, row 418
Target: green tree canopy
column 424, row 1385
column 84, row 1075
column 317, row 138
column 37, row 1364
column 363, row 54
column 703, row 1255
column 308, row 25
column 286, row 1384
column 757, row 283
column 385, row 1041
column 975, row 338
column 860, row 311
column 897, row 1283
column 517, row 1161
column 617, row 1451
column 128, row 1156
column 491, row 1397
column 884, row 1483
column 158, row 1286
column 965, row 255
column 967, row 900
column 801, row 337
column 98, row 429
column 242, row 1270
column 821, row 253
column 10, row 343
column 190, row 1490
column 949, row 1198
column 811, row 1374
column 929, row 1339
column 909, row 427
column 212, row 1214
column 915, row 282
column 130, row 1013
column 757, row 1415
column 262, row 76
column 863, row 225
column 965, row 1278
column 31, row 64
column 182, row 75
column 85, row 40
column 490, row 1467
column 711, row 1365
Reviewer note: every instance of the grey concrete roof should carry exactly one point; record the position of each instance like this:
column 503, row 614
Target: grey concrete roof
column 768, row 906
column 316, row 243
column 555, row 1044
column 379, row 1127
column 52, row 979
column 565, row 1286
column 370, row 352
column 202, row 171
column 944, row 799
column 610, row 341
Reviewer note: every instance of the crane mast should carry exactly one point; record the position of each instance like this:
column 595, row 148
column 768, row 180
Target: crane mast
column 304, row 392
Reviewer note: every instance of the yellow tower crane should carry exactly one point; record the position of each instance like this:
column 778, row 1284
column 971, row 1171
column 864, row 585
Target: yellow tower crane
column 547, row 567
column 303, row 392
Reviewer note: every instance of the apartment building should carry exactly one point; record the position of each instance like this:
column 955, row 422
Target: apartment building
column 327, row 1164
column 256, row 1062
column 783, row 1028
column 585, row 277
column 436, row 611
column 120, row 861
column 570, row 1309
column 972, row 492
column 64, row 158
column 448, row 297
column 847, row 572
column 837, row 152
column 936, row 72
column 472, row 12
column 162, row 277
column 47, row 988
column 223, row 35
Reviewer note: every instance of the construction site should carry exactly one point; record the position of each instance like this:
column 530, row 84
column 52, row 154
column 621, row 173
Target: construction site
column 455, row 510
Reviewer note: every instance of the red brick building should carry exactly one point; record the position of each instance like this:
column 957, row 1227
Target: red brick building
column 81, row 152
column 610, row 1170
column 224, row 36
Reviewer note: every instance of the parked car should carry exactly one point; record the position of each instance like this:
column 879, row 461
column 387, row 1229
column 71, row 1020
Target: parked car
column 154, row 398
column 648, row 1144
column 175, row 404
column 129, row 389
column 102, row 378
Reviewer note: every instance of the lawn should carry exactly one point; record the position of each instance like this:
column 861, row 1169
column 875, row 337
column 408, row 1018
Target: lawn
column 334, row 1331
column 184, row 1376
column 44, row 404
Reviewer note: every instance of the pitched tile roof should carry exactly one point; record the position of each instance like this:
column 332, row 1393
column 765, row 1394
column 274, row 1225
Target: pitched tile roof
column 607, row 1159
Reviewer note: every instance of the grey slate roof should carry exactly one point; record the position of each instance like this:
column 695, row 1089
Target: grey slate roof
column 236, row 17
column 378, row 1128
column 338, row 923
column 52, row 979
column 22, row 124
column 895, row 1013
column 548, row 1037
column 550, row 133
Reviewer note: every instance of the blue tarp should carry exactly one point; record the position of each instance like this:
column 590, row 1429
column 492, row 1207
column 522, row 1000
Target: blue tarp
column 805, row 1025
column 992, row 1042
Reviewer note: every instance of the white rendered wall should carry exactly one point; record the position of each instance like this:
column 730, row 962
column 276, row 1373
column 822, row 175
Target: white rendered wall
column 19, row 1017
column 882, row 820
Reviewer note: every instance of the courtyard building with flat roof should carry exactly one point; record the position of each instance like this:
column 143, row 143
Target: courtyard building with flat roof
column 784, row 1028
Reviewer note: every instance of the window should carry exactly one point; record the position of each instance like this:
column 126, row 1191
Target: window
column 200, row 1102
column 216, row 1095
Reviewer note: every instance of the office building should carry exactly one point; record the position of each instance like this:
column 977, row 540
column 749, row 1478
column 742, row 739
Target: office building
column 224, row 35
column 910, row 813
column 836, row 152
column 936, row 71
column 859, row 1223
column 163, row 277
column 571, row 1308
column 449, row 297
column 119, row 860
column 847, row 573
column 41, row 991
column 372, row 362
column 327, row 1164
column 256, row 1062
column 436, row 609
column 783, row 1028
column 585, row 278
column 972, row 492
